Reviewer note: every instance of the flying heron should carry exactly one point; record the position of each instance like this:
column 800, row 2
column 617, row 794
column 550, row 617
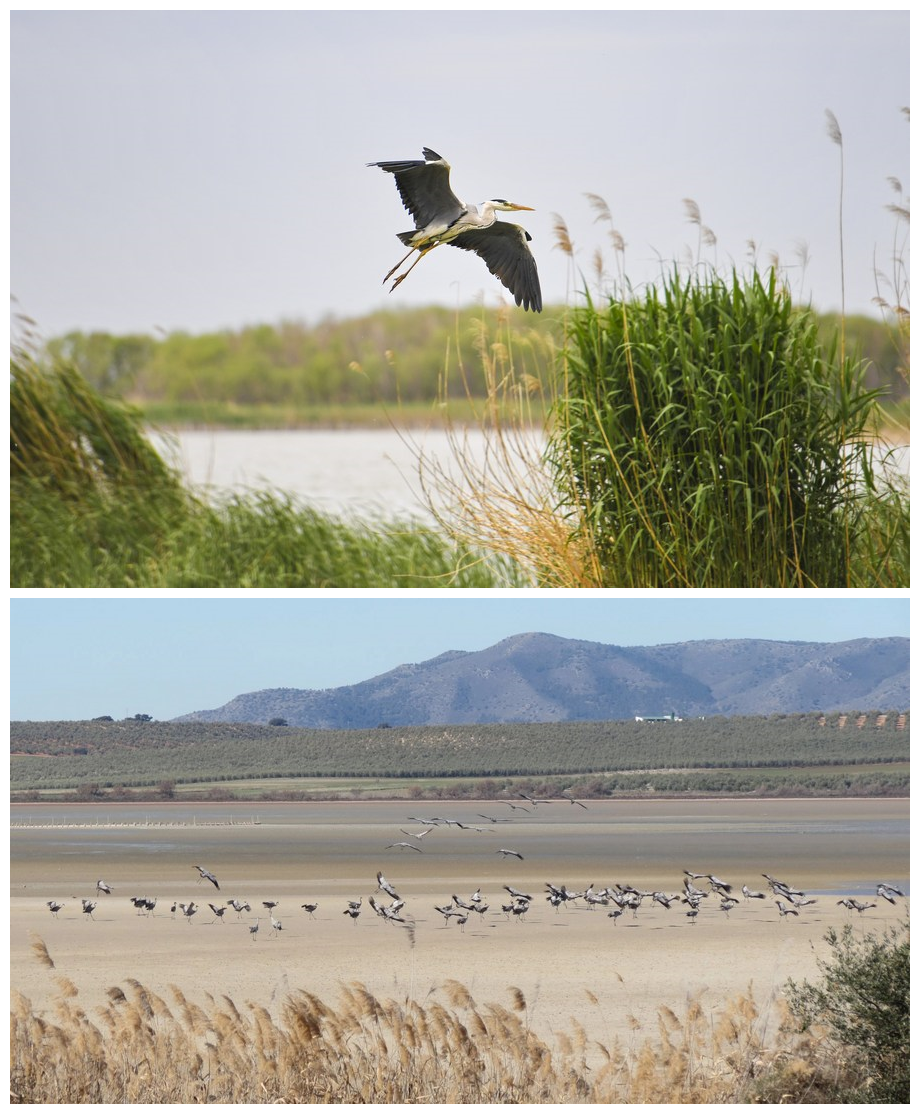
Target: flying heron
column 506, row 851
column 442, row 218
column 102, row 888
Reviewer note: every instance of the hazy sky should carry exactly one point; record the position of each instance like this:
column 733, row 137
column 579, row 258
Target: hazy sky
column 200, row 170
column 80, row 658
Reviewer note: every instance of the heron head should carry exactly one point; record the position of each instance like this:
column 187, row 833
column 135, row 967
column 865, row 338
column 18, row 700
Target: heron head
column 509, row 206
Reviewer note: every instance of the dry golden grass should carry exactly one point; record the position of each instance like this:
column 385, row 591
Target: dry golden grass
column 446, row 1049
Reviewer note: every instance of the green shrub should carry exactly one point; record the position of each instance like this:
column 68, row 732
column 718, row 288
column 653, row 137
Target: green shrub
column 864, row 1000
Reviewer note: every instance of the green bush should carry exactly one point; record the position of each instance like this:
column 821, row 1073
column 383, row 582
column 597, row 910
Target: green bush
column 864, row 1000
column 706, row 437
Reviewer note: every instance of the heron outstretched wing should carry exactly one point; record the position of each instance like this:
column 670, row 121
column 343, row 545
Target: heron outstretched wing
column 424, row 186
column 504, row 249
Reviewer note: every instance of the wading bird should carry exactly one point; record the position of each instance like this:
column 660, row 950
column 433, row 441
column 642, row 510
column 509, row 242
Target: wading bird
column 218, row 911
column 240, row 907
column 269, row 905
column 276, row 925
column 207, row 874
column 88, row 907
column 442, row 218
column 311, row 909
column 253, row 929
column 55, row 907
column 188, row 911
column 860, row 906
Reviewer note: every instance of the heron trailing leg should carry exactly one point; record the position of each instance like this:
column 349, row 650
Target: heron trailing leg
column 422, row 252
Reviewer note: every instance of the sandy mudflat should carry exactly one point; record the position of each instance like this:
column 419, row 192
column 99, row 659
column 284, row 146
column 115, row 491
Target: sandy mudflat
column 331, row 853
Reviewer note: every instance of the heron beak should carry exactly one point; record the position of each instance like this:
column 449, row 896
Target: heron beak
column 528, row 208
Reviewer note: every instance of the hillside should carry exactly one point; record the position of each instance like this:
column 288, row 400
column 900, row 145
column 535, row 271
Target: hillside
column 541, row 678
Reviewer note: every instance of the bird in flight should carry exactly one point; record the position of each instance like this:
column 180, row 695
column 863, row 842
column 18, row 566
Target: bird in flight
column 208, row 875
column 442, row 218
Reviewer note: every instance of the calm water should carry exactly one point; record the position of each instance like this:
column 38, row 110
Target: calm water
column 350, row 472
column 345, row 472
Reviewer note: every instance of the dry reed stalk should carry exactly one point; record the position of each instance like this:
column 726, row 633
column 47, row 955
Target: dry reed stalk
column 506, row 503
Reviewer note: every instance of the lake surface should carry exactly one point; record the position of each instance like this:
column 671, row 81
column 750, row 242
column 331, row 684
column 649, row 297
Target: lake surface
column 362, row 473
column 345, row 472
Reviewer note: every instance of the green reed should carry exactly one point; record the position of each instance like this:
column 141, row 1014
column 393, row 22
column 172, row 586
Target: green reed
column 94, row 505
column 705, row 437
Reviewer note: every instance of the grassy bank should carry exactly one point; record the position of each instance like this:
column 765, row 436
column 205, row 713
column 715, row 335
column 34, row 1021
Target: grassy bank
column 93, row 505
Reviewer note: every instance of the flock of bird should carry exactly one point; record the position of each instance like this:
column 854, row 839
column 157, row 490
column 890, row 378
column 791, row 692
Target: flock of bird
column 697, row 888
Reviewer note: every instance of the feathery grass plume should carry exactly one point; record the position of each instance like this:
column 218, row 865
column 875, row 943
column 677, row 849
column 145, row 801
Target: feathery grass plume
column 518, row 1001
column 67, row 987
column 836, row 137
column 561, row 232
column 458, row 995
column 40, row 951
column 417, row 1053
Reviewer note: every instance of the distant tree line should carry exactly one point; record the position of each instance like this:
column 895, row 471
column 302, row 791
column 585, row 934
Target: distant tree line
column 385, row 356
column 731, row 754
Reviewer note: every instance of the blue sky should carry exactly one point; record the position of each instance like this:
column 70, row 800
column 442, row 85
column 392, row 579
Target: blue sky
column 76, row 658
column 201, row 170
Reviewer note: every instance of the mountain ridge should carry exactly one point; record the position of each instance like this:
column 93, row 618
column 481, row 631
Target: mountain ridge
column 539, row 677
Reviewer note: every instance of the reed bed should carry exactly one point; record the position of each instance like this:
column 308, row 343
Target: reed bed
column 448, row 1048
column 94, row 506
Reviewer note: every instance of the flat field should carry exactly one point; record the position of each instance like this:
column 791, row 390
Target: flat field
column 610, row 975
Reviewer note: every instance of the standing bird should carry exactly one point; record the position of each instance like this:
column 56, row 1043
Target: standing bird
column 207, row 874
column 311, row 908
column 276, row 925
column 442, row 218
column 253, row 929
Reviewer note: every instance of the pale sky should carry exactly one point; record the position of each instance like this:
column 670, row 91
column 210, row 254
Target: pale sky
column 77, row 658
column 206, row 170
